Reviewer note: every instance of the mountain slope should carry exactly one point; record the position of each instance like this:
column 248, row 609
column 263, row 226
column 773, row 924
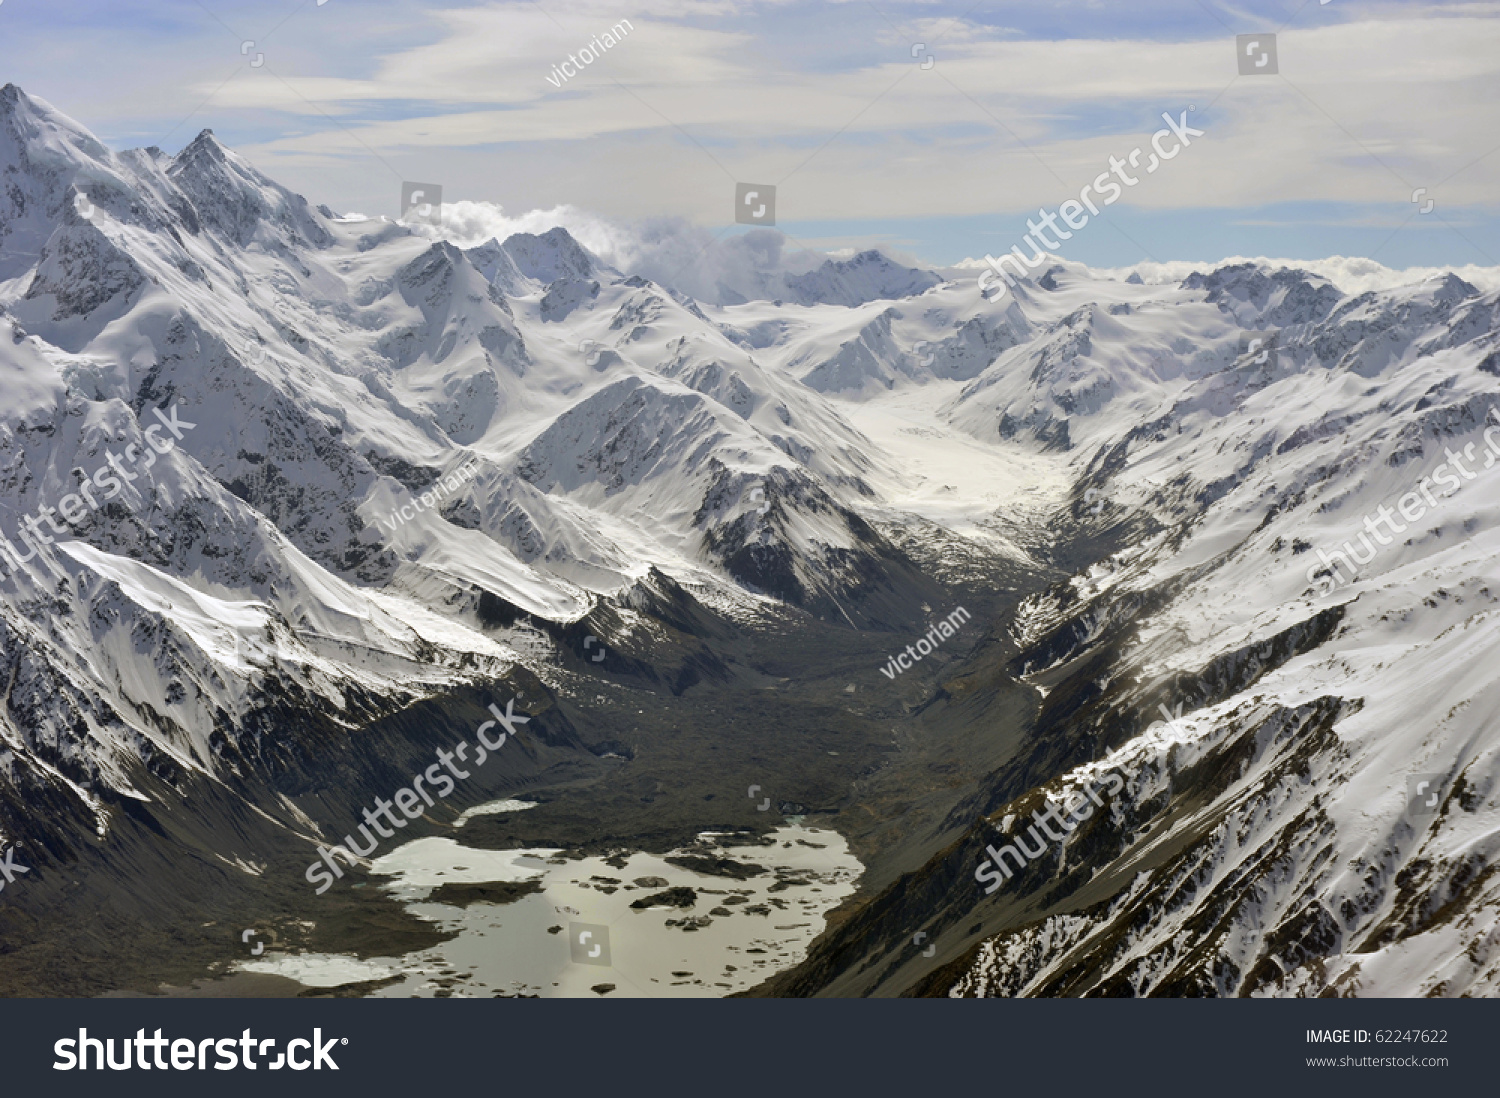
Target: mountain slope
column 1267, row 675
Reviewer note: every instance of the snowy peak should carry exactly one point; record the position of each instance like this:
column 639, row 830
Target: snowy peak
column 443, row 278
column 434, row 276
column 1450, row 289
column 859, row 280
column 868, row 362
column 1369, row 333
column 46, row 159
column 630, row 432
column 203, row 149
column 234, row 200
column 28, row 122
column 462, row 314
column 868, row 276
column 499, row 269
column 550, row 256
column 1255, row 299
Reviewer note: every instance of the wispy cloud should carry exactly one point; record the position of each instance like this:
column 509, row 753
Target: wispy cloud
column 1022, row 105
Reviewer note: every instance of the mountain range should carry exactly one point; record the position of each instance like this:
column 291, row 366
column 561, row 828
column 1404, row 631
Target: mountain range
column 1141, row 491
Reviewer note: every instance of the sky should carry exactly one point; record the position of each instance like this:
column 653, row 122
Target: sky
column 934, row 130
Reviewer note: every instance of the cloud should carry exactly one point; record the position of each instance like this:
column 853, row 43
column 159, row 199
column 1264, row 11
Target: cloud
column 1364, row 111
column 670, row 251
column 825, row 101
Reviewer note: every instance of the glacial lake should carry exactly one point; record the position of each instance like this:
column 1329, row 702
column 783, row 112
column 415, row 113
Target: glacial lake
column 695, row 932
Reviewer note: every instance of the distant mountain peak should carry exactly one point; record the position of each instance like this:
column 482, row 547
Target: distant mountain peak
column 13, row 99
column 204, row 145
column 28, row 119
column 551, row 255
column 1258, row 297
column 867, row 276
column 1452, row 289
column 233, row 198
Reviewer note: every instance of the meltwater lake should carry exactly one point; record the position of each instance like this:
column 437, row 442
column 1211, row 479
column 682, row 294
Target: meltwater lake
column 724, row 914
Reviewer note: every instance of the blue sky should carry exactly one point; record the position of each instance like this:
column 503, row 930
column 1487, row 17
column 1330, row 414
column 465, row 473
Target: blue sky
column 1024, row 103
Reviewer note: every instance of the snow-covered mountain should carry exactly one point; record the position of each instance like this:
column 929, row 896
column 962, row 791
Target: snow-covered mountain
column 1296, row 626
column 274, row 483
